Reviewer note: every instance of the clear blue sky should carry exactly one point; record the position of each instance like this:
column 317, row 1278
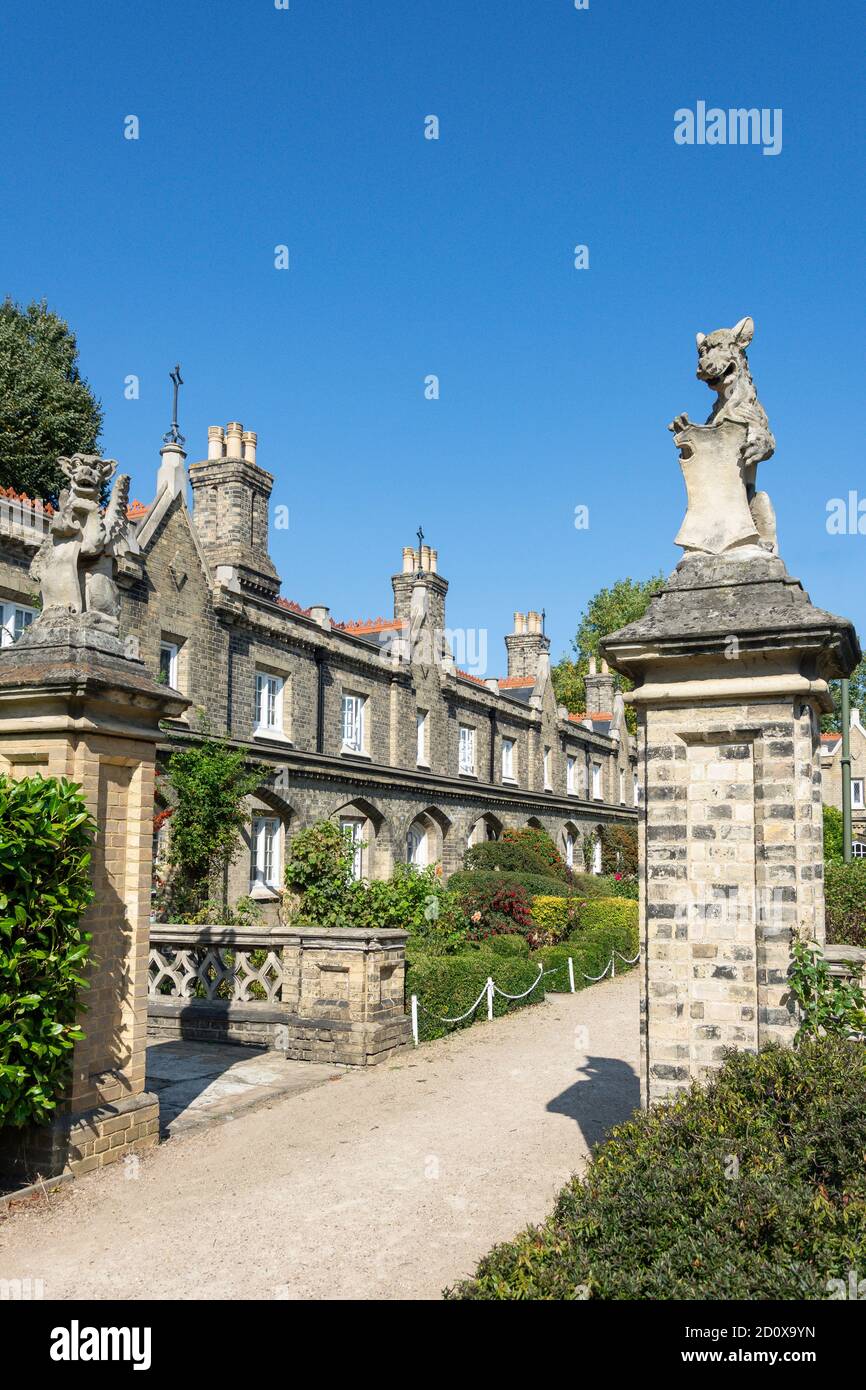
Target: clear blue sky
column 455, row 257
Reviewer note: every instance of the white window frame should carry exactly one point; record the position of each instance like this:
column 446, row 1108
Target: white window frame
column 596, row 782
column 172, row 649
column 508, row 760
column 622, row 786
column 268, row 710
column 546, row 762
column 596, row 855
column 421, row 754
column 14, row 618
column 858, row 849
column 353, row 828
column 265, row 853
column 417, row 846
column 353, row 722
column 569, row 848
column 466, row 750
column 636, row 788
column 570, row 770
column 857, row 802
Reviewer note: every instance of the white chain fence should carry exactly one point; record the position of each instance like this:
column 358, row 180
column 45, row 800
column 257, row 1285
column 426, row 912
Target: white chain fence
column 491, row 989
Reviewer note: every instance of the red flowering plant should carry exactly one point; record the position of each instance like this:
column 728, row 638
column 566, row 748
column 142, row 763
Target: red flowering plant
column 492, row 910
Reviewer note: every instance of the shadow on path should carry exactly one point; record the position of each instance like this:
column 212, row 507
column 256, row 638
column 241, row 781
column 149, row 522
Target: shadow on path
column 607, row 1095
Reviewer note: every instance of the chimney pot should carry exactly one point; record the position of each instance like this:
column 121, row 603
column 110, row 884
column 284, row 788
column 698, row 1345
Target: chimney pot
column 408, row 559
column 250, row 439
column 215, row 441
column 234, row 440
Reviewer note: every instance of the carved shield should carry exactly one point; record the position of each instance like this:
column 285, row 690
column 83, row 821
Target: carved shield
column 718, row 516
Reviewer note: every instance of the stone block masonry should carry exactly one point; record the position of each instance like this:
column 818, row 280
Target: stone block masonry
column 731, row 830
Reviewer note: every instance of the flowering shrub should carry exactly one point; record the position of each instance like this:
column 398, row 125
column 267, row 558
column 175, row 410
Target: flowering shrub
column 493, row 910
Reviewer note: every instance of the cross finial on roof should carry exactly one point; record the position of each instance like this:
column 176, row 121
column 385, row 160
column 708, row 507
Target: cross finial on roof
column 174, row 436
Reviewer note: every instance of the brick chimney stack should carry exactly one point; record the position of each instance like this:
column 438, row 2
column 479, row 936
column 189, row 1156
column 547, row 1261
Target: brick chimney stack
column 420, row 566
column 231, row 496
column 600, row 688
column 526, row 644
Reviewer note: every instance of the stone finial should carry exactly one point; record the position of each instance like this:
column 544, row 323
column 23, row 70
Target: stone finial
column 720, row 458
column 74, row 566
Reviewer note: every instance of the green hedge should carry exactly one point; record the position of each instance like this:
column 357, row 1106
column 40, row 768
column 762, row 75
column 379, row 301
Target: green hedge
column 609, row 912
column 845, row 902
column 465, row 881
column 751, row 1188
column 511, row 945
column 590, row 948
column 446, row 986
column 45, row 839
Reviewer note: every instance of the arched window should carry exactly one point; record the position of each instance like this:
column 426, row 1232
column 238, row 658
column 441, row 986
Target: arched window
column 417, row 848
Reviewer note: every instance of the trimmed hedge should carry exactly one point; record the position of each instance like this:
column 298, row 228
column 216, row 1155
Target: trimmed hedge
column 845, row 902
column 663, row 1213
column 512, row 945
column 447, row 986
column 608, row 912
column 579, row 885
column 464, row 881
column 590, row 948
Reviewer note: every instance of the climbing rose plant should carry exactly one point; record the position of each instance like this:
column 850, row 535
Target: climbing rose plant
column 45, row 839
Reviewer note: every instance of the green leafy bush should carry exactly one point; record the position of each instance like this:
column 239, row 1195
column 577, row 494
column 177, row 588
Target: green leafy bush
column 619, row 849
column 412, row 900
column 45, row 839
column 845, row 903
column 537, row 842
column 447, row 986
column 833, row 853
column 827, row 1003
column 210, row 781
column 319, row 870
column 753, row 1187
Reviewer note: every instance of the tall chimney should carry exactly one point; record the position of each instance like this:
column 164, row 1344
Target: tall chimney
column 525, row 645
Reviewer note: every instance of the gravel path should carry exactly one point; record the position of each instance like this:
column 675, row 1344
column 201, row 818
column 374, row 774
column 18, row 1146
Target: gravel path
column 388, row 1183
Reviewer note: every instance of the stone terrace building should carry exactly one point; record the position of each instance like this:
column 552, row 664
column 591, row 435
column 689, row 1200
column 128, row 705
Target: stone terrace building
column 370, row 723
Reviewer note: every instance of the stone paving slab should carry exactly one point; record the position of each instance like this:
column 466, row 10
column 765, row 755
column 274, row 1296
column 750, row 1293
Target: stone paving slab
column 201, row 1084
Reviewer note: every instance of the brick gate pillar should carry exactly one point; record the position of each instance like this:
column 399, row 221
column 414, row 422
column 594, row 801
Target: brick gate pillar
column 72, row 705
column 731, row 664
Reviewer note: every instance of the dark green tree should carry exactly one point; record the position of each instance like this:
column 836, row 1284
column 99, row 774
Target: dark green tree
column 832, row 723
column 47, row 409
column 606, row 611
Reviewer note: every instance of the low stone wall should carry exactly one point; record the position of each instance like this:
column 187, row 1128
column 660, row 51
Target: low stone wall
column 318, row 996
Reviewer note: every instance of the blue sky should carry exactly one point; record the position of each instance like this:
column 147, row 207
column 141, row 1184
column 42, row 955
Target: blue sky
column 411, row 257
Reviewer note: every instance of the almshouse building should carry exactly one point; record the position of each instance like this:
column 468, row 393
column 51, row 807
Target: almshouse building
column 370, row 723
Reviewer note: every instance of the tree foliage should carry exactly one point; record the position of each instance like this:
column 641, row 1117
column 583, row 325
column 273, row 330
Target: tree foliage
column 45, row 839
column 832, row 723
column 47, row 409
column 606, row 612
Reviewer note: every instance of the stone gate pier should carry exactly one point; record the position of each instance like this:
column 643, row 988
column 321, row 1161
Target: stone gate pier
column 74, row 705
column 731, row 665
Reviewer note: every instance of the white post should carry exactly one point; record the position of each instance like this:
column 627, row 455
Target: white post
column 571, row 974
column 489, row 998
column 613, row 965
column 415, row 1018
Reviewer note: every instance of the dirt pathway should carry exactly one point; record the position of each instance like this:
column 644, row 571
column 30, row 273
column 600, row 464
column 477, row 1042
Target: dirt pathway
column 381, row 1184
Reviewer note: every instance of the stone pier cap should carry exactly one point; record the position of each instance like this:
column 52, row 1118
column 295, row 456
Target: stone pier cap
column 727, row 627
column 79, row 679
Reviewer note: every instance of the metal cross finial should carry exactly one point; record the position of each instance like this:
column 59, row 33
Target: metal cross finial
column 543, row 619
column 420, row 534
column 174, row 435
